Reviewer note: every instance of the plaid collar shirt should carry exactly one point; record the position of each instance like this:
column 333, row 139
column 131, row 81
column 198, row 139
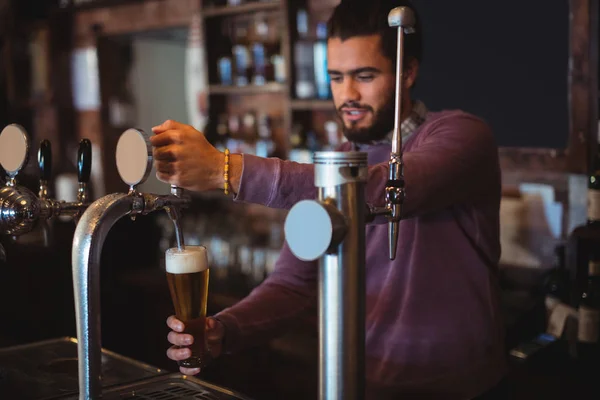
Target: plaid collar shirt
column 408, row 126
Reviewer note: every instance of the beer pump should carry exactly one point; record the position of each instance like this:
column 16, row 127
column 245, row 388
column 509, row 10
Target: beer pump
column 20, row 209
column 332, row 230
column 134, row 161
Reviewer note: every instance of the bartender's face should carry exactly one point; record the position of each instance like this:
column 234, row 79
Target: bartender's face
column 363, row 87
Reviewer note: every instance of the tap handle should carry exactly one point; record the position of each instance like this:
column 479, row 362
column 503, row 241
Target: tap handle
column 14, row 151
column 2, row 254
column 84, row 161
column 45, row 160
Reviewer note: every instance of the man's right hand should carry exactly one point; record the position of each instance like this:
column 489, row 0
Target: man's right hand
column 215, row 331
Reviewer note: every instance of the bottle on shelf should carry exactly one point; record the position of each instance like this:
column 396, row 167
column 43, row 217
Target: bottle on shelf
column 259, row 37
column 583, row 261
column 586, row 237
column 593, row 211
column 241, row 53
column 304, row 59
column 264, row 144
column 557, row 285
column 320, row 63
column 588, row 333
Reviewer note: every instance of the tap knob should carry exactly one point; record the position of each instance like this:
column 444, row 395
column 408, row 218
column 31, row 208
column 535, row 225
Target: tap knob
column 45, row 164
column 84, row 167
column 14, row 151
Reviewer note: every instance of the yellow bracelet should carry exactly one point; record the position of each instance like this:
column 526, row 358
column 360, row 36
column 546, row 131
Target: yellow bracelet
column 226, row 173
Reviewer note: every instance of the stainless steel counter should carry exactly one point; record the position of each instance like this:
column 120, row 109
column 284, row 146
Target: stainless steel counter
column 168, row 387
column 48, row 370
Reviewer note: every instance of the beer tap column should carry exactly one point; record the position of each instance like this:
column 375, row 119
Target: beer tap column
column 134, row 162
column 402, row 18
column 332, row 230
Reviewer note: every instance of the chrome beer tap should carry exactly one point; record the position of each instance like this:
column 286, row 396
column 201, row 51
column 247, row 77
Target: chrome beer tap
column 20, row 209
column 45, row 164
column 332, row 230
column 402, row 18
column 134, row 162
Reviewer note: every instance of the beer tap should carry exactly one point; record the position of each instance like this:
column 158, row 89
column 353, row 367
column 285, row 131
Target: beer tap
column 20, row 209
column 45, row 164
column 84, row 170
column 134, row 162
column 402, row 18
column 332, row 230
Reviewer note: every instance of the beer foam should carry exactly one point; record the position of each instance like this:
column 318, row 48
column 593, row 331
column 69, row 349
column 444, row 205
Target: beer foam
column 190, row 260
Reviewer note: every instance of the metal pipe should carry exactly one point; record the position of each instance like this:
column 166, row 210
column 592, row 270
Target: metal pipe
column 341, row 178
column 332, row 230
column 89, row 237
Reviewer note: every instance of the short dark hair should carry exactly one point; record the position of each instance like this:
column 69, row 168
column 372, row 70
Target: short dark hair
column 362, row 18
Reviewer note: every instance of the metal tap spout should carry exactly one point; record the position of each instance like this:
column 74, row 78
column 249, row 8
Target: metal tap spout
column 90, row 234
column 91, row 231
column 402, row 18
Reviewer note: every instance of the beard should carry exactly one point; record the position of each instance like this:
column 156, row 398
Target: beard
column 383, row 121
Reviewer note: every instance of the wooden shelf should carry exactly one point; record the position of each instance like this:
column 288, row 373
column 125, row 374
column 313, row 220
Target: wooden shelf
column 210, row 12
column 272, row 87
column 325, row 105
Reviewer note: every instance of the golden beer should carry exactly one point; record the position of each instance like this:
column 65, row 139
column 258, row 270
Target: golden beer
column 187, row 275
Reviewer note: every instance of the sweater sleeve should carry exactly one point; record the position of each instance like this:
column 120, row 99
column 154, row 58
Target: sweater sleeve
column 275, row 183
column 456, row 163
column 273, row 306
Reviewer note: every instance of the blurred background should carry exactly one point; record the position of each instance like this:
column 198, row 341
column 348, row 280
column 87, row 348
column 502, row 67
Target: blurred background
column 252, row 75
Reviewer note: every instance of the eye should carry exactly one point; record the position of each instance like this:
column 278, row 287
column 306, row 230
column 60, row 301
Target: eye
column 365, row 77
column 335, row 78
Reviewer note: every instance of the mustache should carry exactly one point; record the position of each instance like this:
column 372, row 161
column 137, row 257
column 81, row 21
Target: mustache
column 354, row 104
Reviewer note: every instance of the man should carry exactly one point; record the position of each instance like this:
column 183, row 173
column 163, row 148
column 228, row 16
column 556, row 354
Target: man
column 433, row 325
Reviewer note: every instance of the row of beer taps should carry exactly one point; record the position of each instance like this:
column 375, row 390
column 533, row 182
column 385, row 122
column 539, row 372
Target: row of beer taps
column 21, row 210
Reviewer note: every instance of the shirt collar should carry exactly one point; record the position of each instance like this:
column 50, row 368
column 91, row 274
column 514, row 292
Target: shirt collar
column 409, row 126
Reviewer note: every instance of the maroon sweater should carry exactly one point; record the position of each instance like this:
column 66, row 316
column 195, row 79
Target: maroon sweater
column 433, row 321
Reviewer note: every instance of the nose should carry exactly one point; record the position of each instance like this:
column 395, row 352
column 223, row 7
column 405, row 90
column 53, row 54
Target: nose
column 349, row 91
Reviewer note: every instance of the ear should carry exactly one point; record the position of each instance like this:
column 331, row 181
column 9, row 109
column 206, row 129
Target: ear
column 410, row 73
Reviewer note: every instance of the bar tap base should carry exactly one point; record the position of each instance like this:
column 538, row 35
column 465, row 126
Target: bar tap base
column 173, row 386
column 47, row 370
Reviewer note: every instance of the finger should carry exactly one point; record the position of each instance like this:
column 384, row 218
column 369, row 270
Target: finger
column 180, row 339
column 165, row 178
column 166, row 138
column 165, row 167
column 168, row 124
column 189, row 371
column 165, row 153
column 214, row 334
column 177, row 354
column 211, row 323
column 175, row 324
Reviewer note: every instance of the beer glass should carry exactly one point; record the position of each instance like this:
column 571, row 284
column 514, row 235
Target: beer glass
column 187, row 276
